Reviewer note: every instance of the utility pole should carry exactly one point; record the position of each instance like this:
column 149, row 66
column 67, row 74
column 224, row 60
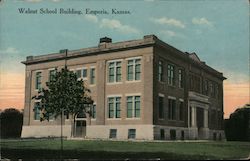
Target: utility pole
column 61, row 134
column 62, row 109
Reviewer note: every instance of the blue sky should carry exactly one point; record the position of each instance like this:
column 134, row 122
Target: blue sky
column 217, row 30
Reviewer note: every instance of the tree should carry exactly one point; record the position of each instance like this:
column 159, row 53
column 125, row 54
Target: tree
column 11, row 121
column 237, row 127
column 64, row 94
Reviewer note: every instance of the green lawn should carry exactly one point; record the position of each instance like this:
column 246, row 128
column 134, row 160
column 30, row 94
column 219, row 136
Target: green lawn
column 50, row 148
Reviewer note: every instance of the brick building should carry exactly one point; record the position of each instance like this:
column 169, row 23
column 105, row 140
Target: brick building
column 142, row 89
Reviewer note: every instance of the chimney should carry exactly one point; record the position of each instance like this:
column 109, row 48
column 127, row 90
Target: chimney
column 28, row 58
column 105, row 40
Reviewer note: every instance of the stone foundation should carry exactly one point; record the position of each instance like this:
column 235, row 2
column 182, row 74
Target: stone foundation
column 143, row 132
column 39, row 131
column 192, row 133
column 181, row 133
column 217, row 135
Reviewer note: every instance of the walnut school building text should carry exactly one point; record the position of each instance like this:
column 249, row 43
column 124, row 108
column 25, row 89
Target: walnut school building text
column 142, row 89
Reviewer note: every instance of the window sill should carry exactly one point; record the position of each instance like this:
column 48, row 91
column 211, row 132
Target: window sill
column 114, row 83
column 173, row 120
column 110, row 119
column 133, row 81
column 133, row 118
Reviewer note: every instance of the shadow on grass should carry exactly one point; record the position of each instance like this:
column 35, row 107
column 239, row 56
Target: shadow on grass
column 32, row 154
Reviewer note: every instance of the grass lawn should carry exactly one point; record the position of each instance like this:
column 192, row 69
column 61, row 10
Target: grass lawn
column 85, row 149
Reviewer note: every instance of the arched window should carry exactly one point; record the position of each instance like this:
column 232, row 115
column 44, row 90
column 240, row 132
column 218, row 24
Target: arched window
column 81, row 115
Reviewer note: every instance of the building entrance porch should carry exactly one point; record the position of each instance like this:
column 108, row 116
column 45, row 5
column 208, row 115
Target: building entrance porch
column 198, row 115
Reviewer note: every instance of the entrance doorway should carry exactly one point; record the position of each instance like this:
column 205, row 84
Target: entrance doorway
column 80, row 125
column 200, row 121
column 80, row 128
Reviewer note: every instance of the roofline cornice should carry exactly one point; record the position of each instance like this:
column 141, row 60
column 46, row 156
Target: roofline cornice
column 62, row 56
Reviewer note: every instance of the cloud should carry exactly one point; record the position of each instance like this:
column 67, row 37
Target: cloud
column 111, row 24
column 9, row 50
column 168, row 21
column 117, row 25
column 168, row 33
column 202, row 21
column 91, row 18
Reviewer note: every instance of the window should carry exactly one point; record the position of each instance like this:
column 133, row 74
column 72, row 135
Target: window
column 37, row 111
column 137, row 106
column 180, row 76
column 129, row 107
column 111, row 72
column 112, row 133
column 212, row 91
column 170, row 74
column 39, row 80
column 114, row 107
column 216, row 90
column 195, row 84
column 134, row 69
column 162, row 133
column 171, row 109
column 182, row 135
column 214, row 136
column 173, row 134
column 92, row 76
column 131, row 133
column 181, row 111
column 160, row 71
column 52, row 74
column 115, row 74
column 111, row 107
column 84, row 73
column 137, row 69
column 118, row 107
column 205, row 87
column 133, row 106
column 130, row 67
column 81, row 114
column 78, row 73
column 93, row 111
column 161, row 111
